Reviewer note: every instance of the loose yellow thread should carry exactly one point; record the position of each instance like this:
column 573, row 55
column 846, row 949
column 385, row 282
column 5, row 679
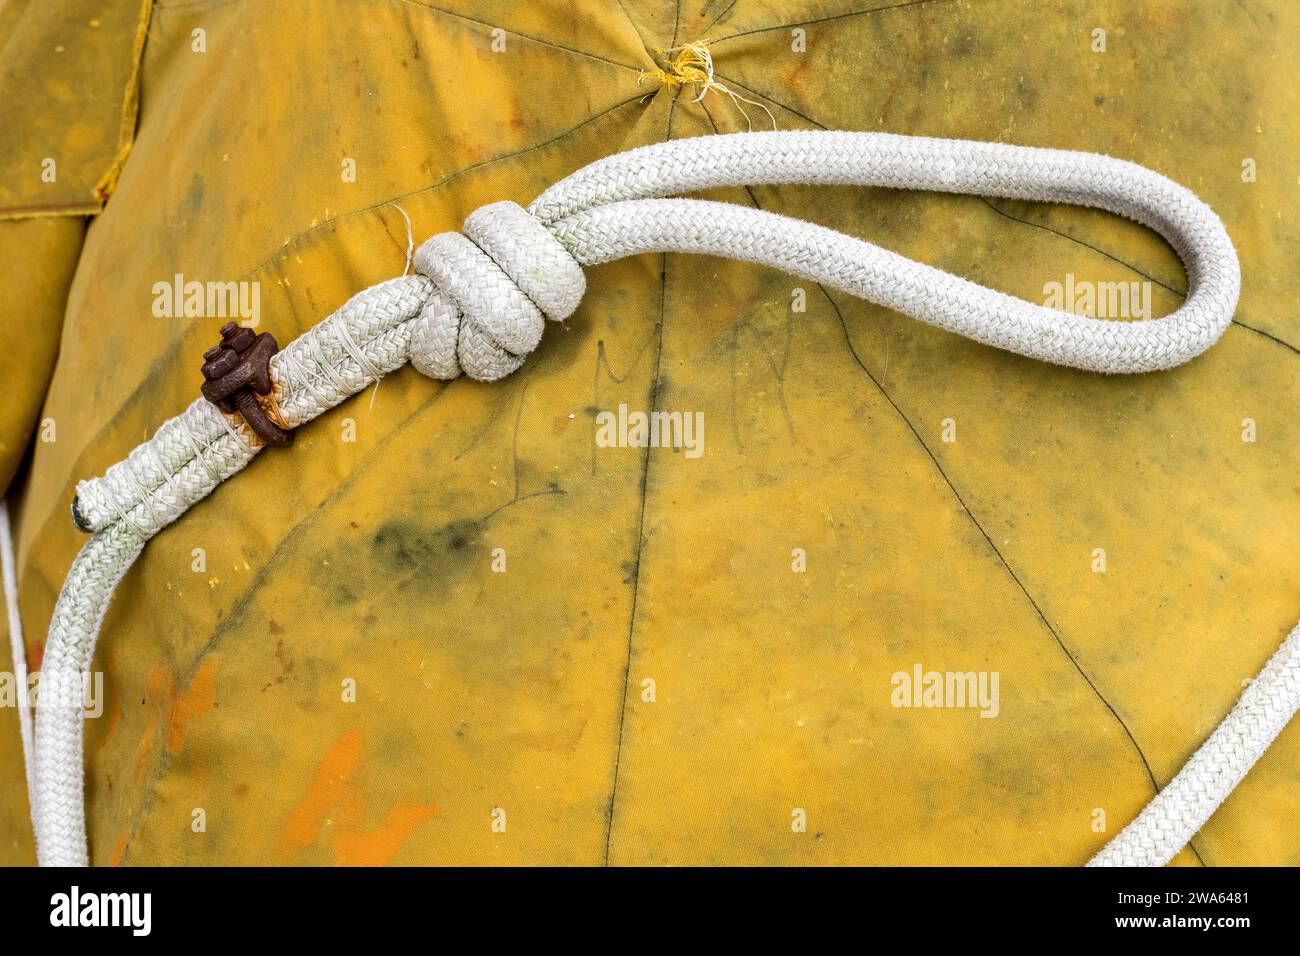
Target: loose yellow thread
column 693, row 64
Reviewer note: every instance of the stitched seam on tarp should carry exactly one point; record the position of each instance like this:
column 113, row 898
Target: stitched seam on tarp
column 130, row 110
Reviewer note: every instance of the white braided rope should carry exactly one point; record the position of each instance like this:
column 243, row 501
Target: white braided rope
column 17, row 648
column 59, row 812
column 1182, row 807
column 886, row 278
column 478, row 302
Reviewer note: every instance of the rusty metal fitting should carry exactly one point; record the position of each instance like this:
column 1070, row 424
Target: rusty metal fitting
column 238, row 370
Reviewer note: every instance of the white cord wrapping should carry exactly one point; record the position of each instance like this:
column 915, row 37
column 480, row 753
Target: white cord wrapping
column 477, row 305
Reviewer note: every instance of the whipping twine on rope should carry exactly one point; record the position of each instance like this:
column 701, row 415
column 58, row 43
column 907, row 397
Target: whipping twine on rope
column 477, row 303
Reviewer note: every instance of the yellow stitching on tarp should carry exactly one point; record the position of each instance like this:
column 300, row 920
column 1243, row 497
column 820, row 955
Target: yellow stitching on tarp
column 693, row 63
column 130, row 111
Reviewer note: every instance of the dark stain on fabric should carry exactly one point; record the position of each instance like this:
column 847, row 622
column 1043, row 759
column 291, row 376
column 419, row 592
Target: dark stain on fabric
column 962, row 45
column 194, row 194
column 407, row 550
column 286, row 666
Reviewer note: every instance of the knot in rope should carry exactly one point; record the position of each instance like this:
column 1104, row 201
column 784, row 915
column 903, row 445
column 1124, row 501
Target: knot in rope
column 492, row 288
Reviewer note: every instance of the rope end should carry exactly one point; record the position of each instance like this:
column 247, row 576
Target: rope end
column 80, row 520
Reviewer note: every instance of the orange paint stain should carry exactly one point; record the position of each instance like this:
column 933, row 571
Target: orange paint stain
column 156, row 680
column 114, row 718
column 304, row 824
column 158, row 687
column 377, row 847
column 115, row 858
column 194, row 703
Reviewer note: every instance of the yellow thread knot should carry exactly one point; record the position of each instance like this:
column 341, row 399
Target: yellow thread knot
column 693, row 64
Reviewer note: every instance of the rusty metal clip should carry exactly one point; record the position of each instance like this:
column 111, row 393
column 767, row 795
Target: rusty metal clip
column 236, row 372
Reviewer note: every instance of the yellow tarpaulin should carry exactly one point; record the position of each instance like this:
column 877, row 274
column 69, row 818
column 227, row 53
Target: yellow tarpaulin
column 446, row 627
